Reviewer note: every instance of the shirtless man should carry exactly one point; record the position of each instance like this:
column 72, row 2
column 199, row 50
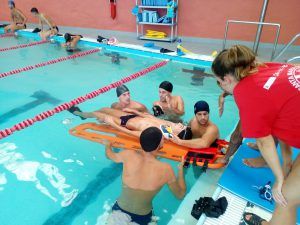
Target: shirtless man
column 205, row 133
column 71, row 42
column 133, row 122
column 143, row 177
column 172, row 107
column 125, row 101
column 43, row 19
column 18, row 19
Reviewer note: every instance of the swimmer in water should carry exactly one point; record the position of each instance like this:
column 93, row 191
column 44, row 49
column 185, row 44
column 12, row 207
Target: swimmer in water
column 143, row 177
column 71, row 42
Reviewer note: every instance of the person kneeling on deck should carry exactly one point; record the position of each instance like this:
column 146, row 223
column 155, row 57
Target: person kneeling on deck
column 18, row 19
column 43, row 19
column 71, row 42
column 205, row 133
column 143, row 177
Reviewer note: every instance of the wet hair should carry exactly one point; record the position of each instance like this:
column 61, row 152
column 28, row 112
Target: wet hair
column 12, row 3
column 166, row 85
column 121, row 90
column 34, row 10
column 201, row 106
column 238, row 60
column 68, row 37
column 150, row 139
column 186, row 134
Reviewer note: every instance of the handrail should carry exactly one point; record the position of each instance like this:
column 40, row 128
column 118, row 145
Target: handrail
column 257, row 23
column 286, row 47
column 294, row 58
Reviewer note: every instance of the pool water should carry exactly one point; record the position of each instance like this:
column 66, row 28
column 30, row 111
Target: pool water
column 48, row 176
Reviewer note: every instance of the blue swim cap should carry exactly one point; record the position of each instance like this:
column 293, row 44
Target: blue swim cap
column 201, row 106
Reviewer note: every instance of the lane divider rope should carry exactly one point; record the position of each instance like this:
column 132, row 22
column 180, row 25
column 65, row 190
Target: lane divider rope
column 65, row 106
column 23, row 45
column 50, row 62
column 6, row 35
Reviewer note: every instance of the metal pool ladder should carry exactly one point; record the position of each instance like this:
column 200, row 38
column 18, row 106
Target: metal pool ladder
column 286, row 47
column 259, row 25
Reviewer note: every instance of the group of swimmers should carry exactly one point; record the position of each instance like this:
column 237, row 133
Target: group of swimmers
column 133, row 117
column 144, row 175
column 19, row 20
column 236, row 70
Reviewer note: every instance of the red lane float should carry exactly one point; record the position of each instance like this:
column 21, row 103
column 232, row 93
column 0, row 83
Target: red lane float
column 23, row 46
column 65, row 106
column 61, row 59
column 6, row 35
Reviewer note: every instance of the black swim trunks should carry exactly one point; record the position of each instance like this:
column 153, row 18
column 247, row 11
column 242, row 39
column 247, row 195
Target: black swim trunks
column 139, row 219
column 56, row 28
column 124, row 119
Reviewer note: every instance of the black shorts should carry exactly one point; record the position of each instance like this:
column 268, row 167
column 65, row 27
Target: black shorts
column 56, row 28
column 139, row 219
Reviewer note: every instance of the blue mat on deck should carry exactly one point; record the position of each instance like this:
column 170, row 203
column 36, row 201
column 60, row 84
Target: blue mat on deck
column 239, row 179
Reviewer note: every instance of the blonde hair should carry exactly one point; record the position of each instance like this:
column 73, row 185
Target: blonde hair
column 239, row 60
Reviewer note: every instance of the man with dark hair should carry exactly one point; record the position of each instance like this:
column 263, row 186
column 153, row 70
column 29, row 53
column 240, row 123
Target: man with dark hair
column 205, row 133
column 43, row 19
column 143, row 177
column 125, row 101
column 168, row 106
column 18, row 19
column 71, row 41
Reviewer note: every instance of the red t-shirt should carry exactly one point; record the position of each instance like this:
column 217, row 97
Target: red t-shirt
column 269, row 103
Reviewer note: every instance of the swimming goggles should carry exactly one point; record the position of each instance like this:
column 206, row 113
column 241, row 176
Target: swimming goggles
column 265, row 192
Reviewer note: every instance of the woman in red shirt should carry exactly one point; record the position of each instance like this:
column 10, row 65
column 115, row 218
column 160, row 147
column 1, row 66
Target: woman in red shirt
column 268, row 97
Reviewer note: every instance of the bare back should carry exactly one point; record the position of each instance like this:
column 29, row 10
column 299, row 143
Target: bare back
column 46, row 20
column 142, row 180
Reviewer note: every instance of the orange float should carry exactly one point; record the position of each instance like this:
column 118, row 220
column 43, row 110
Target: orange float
column 204, row 157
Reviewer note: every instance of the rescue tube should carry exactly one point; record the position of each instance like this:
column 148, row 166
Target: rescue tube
column 205, row 157
column 113, row 9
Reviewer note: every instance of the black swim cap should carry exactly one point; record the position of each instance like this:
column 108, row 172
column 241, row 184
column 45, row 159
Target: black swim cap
column 121, row 90
column 201, row 106
column 166, row 85
column 186, row 134
column 150, row 139
column 34, row 10
column 67, row 37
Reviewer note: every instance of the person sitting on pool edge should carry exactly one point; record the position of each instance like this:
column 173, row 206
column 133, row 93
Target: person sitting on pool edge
column 133, row 122
column 170, row 107
column 71, row 42
column 18, row 19
column 205, row 133
column 143, row 177
column 43, row 19
column 125, row 101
